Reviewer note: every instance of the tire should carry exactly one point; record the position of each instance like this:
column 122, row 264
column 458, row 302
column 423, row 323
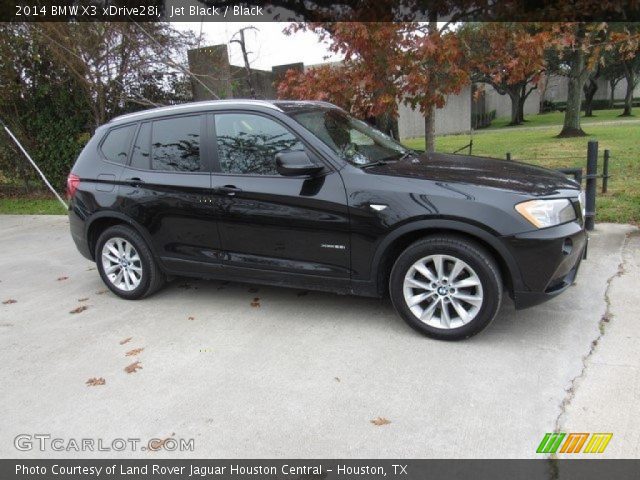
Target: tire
column 140, row 263
column 442, row 310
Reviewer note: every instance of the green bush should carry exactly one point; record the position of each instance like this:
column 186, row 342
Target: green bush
column 482, row 120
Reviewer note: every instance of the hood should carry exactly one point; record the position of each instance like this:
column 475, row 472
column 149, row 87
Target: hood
column 481, row 171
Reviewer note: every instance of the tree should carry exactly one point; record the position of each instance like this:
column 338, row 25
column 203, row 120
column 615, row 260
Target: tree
column 112, row 62
column 367, row 82
column 433, row 68
column 590, row 88
column 507, row 56
column 624, row 52
column 613, row 72
column 39, row 104
column 58, row 82
column 579, row 46
column 385, row 64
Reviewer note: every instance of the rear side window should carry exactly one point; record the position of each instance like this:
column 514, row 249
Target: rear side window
column 115, row 146
column 175, row 144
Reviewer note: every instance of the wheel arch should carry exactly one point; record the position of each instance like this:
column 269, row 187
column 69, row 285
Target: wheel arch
column 103, row 220
column 397, row 241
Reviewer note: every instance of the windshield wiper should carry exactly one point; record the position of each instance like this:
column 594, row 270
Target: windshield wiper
column 373, row 164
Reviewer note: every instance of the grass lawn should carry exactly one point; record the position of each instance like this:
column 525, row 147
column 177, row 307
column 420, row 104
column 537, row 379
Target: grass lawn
column 540, row 147
column 31, row 206
column 556, row 118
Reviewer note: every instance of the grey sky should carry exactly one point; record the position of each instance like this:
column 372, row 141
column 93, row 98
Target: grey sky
column 268, row 46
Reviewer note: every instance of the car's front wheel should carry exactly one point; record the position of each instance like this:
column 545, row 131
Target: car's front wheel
column 126, row 263
column 446, row 286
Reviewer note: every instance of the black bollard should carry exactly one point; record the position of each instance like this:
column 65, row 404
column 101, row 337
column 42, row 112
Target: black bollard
column 590, row 190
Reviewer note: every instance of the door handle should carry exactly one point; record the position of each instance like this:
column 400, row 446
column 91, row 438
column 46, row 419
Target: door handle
column 229, row 190
column 134, row 181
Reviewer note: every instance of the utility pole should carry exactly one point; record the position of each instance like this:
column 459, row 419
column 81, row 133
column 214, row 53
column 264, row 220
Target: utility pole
column 247, row 67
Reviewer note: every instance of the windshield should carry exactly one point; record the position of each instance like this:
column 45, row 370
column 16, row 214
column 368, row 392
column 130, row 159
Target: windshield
column 352, row 139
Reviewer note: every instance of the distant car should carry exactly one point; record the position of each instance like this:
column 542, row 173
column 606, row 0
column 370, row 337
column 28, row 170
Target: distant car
column 300, row 194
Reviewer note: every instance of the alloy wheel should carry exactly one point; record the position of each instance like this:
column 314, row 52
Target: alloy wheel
column 121, row 264
column 443, row 291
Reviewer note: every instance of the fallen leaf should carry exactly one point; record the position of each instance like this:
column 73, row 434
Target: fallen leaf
column 256, row 302
column 102, row 292
column 83, row 299
column 94, row 382
column 133, row 368
column 378, row 422
column 81, row 308
column 126, row 340
column 133, row 352
column 191, row 318
column 60, row 279
column 337, row 379
column 9, row 302
column 90, row 268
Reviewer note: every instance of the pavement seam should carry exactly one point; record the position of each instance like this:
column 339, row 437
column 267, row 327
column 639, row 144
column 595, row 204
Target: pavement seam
column 570, row 392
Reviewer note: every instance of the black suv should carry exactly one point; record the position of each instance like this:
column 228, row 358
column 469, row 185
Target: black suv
column 301, row 194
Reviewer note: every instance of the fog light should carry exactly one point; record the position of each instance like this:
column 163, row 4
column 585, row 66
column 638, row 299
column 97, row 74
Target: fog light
column 567, row 246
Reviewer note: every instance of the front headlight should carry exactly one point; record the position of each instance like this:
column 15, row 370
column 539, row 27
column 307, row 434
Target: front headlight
column 583, row 203
column 546, row 213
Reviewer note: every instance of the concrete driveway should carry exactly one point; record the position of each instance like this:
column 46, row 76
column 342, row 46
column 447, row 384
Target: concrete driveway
column 251, row 371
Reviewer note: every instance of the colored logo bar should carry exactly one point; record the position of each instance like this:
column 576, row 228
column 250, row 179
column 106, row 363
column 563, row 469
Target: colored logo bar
column 573, row 442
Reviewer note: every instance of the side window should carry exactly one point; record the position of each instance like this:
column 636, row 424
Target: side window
column 115, row 146
column 175, row 144
column 247, row 143
column 141, row 155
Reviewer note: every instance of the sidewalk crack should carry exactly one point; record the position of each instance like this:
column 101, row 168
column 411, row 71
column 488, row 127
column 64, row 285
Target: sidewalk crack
column 607, row 316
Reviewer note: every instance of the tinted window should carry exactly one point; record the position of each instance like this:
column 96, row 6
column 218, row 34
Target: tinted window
column 352, row 139
column 247, row 144
column 115, row 146
column 176, row 144
column 142, row 148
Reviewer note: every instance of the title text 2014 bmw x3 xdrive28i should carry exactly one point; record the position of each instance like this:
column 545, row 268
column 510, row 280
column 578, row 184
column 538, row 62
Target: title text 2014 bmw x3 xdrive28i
column 301, row 194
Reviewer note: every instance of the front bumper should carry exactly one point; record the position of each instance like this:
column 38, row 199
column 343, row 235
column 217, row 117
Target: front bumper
column 548, row 260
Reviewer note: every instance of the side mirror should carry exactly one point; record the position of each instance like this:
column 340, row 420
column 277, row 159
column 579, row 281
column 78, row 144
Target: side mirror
column 296, row 163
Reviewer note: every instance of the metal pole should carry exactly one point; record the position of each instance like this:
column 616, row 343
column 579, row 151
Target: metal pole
column 605, row 171
column 592, row 176
column 17, row 142
column 508, row 156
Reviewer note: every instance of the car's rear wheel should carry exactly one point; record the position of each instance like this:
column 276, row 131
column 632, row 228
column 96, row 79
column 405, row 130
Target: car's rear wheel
column 446, row 286
column 126, row 264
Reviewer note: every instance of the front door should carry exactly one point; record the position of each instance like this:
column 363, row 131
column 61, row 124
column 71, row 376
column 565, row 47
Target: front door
column 296, row 225
column 166, row 187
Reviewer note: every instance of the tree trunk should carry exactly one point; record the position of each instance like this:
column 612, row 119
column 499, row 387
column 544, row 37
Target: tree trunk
column 430, row 114
column 612, row 97
column 514, row 96
column 590, row 88
column 430, row 130
column 577, row 76
column 523, row 98
column 628, row 98
column 388, row 124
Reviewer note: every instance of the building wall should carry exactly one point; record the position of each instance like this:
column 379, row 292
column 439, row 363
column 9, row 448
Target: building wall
column 557, row 88
column 502, row 103
column 454, row 117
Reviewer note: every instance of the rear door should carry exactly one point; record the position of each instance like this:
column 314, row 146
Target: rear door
column 166, row 188
column 269, row 222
